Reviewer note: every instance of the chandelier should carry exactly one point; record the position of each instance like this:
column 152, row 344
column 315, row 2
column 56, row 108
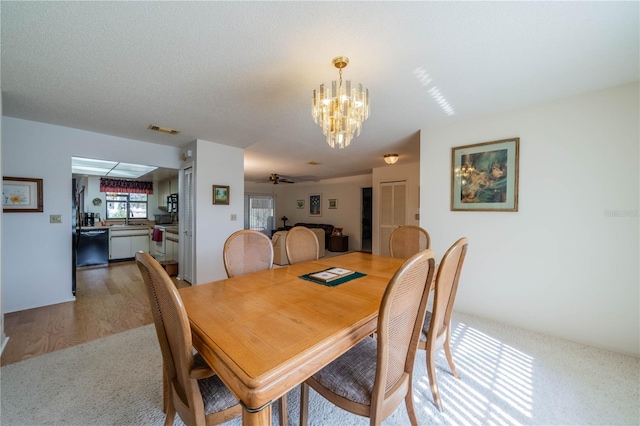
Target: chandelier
column 341, row 111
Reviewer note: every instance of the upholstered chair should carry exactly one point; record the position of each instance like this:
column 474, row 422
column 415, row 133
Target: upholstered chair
column 436, row 330
column 408, row 240
column 372, row 378
column 301, row 245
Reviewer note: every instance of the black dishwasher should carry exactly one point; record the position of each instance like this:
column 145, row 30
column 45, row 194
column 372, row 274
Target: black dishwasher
column 93, row 247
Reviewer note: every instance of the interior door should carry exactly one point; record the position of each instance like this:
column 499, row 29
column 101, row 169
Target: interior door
column 187, row 232
column 393, row 211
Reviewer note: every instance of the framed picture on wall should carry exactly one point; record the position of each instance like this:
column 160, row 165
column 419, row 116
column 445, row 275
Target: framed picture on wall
column 22, row 195
column 484, row 176
column 333, row 203
column 300, row 204
column 220, row 194
column 315, row 204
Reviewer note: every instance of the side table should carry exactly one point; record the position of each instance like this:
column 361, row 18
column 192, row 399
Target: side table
column 338, row 243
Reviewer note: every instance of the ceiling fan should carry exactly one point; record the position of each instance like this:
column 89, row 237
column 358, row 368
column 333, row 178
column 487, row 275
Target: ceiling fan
column 276, row 179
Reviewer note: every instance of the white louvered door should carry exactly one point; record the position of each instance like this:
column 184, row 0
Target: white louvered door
column 187, row 232
column 393, row 211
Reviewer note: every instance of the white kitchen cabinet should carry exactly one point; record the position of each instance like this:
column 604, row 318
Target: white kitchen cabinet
column 172, row 250
column 119, row 247
column 139, row 242
column 125, row 242
column 166, row 188
column 173, row 185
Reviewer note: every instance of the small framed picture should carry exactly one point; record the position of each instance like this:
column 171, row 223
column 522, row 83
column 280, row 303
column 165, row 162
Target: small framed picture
column 484, row 176
column 220, row 194
column 333, row 203
column 22, row 195
column 300, row 204
column 315, row 204
column 337, row 232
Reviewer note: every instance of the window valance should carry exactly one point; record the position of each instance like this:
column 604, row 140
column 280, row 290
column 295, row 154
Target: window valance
column 125, row 186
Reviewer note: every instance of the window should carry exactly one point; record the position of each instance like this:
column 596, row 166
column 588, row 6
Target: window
column 259, row 211
column 119, row 206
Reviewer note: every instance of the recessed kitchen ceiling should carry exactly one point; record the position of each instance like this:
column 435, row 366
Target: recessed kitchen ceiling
column 93, row 167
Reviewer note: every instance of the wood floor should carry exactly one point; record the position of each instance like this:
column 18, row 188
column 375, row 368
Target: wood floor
column 109, row 300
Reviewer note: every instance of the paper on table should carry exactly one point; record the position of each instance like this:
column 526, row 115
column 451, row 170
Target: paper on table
column 331, row 274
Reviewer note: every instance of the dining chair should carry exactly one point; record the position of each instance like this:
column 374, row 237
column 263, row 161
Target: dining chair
column 373, row 377
column 436, row 330
column 408, row 240
column 247, row 251
column 301, row 245
column 190, row 386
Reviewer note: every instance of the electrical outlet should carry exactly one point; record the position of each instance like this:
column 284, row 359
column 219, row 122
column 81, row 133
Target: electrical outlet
column 55, row 218
column 234, row 217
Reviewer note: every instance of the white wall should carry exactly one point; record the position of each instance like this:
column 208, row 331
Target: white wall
column 348, row 214
column 394, row 173
column 36, row 255
column 220, row 165
column 3, row 337
column 560, row 265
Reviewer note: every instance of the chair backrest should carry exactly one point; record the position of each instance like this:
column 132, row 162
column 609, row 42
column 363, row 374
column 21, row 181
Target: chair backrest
column 301, row 245
column 446, row 288
column 402, row 313
column 247, row 251
column 408, row 240
column 174, row 336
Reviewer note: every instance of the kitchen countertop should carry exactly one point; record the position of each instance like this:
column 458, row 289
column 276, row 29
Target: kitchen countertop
column 117, row 227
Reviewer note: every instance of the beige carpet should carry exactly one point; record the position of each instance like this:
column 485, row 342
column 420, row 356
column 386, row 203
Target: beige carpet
column 508, row 376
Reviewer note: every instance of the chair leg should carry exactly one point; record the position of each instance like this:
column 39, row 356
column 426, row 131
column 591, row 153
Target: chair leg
column 447, row 351
column 304, row 404
column 408, row 401
column 171, row 414
column 431, row 371
column 165, row 391
column 283, row 410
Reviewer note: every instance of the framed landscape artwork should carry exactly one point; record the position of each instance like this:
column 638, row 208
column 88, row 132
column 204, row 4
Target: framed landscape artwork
column 300, row 204
column 220, row 194
column 22, row 195
column 315, row 204
column 484, row 176
column 333, row 203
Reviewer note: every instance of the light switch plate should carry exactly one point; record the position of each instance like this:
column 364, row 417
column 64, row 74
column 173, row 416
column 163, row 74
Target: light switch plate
column 55, row 218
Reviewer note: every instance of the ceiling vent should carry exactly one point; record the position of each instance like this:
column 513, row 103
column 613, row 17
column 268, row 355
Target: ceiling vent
column 163, row 129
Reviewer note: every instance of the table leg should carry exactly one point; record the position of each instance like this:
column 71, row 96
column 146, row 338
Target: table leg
column 257, row 418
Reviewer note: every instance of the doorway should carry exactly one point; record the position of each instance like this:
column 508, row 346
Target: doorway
column 367, row 219
column 393, row 211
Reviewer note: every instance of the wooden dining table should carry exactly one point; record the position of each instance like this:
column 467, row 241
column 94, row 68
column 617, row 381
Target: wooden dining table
column 265, row 333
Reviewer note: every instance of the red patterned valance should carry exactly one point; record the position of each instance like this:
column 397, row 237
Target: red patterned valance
column 125, row 186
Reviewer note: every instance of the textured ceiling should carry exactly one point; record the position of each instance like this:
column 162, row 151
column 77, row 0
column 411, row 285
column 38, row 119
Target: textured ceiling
column 242, row 73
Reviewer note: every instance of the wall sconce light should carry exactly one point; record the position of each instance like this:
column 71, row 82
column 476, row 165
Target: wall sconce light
column 390, row 158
